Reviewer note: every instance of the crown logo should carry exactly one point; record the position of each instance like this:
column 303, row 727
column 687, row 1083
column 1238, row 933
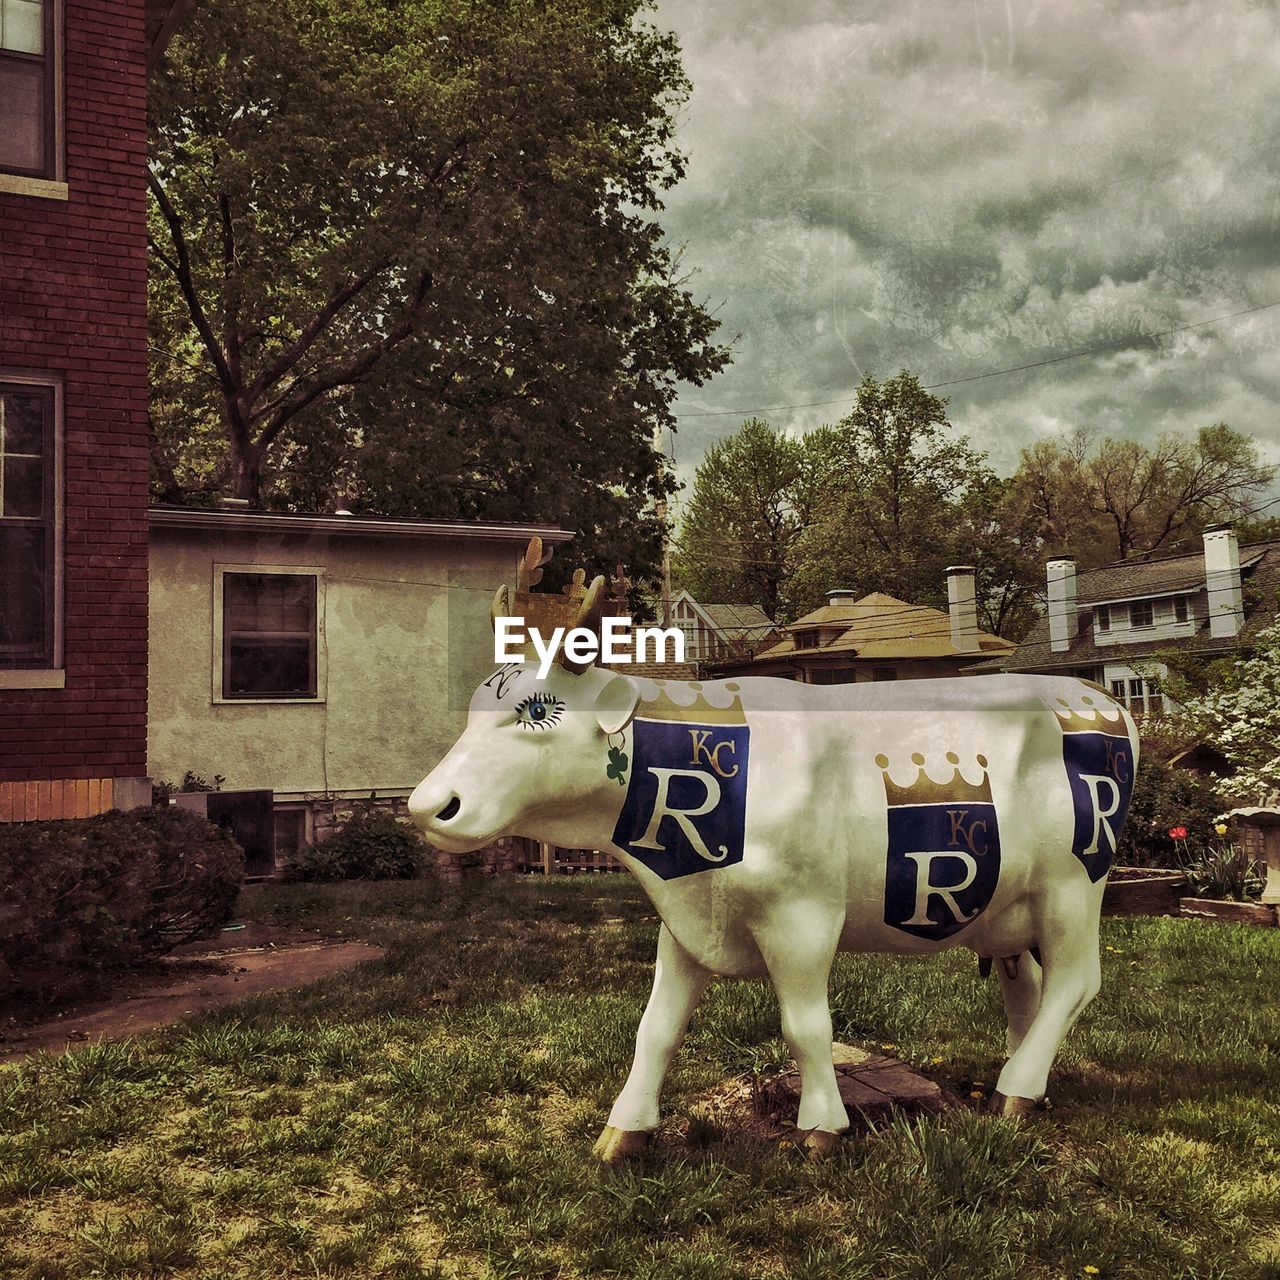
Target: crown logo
column 1097, row 716
column 955, row 789
column 700, row 711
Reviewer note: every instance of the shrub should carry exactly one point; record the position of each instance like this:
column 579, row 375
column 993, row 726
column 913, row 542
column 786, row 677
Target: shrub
column 84, row 896
column 1223, row 871
column 371, row 845
column 1164, row 797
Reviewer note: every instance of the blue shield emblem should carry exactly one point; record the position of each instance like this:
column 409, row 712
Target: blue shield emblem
column 686, row 805
column 1100, row 770
column 943, row 858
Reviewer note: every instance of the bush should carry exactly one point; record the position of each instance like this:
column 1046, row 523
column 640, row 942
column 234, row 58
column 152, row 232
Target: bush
column 81, row 897
column 1164, row 797
column 371, row 845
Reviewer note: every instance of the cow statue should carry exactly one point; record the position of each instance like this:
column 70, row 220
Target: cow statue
column 774, row 823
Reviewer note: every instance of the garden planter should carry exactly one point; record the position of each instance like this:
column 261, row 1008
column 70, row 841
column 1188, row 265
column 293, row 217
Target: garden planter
column 1235, row 912
column 1143, row 891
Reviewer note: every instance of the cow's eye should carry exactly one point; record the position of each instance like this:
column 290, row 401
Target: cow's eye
column 539, row 711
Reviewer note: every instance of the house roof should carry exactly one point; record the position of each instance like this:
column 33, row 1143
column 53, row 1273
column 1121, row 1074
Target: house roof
column 731, row 618
column 219, row 520
column 878, row 626
column 1140, row 580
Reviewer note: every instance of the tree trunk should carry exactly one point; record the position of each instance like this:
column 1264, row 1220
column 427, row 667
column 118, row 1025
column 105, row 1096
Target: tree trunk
column 246, row 475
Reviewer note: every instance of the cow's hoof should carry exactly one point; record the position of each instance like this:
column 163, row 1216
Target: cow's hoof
column 1015, row 1108
column 819, row 1144
column 616, row 1145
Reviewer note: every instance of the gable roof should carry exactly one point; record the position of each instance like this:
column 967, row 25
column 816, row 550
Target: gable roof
column 731, row 620
column 1140, row 580
column 878, row 626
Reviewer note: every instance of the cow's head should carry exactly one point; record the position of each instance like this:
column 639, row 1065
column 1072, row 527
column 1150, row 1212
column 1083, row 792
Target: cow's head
column 534, row 757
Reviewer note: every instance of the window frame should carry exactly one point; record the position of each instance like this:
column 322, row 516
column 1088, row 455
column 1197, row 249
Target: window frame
column 50, row 674
column 1181, row 605
column 1102, row 618
column 218, row 690
column 50, row 180
column 1148, row 607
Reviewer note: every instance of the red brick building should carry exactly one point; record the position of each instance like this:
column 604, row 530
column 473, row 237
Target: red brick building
column 73, row 402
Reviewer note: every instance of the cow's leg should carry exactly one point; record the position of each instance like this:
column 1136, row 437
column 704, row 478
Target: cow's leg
column 1020, row 986
column 798, row 948
column 1072, row 975
column 678, row 983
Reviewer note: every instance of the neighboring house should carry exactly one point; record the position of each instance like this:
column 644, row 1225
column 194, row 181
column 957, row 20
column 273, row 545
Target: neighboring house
column 73, row 403
column 1107, row 624
column 878, row 637
column 324, row 658
column 713, row 632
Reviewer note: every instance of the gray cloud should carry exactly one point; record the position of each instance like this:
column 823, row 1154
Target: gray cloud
column 959, row 187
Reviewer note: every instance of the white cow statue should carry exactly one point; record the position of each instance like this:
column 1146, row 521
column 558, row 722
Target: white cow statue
column 774, row 823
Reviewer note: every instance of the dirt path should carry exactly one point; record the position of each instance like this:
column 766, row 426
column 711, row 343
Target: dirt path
column 241, row 962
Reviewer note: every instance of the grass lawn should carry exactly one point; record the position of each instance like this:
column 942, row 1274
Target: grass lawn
column 432, row 1115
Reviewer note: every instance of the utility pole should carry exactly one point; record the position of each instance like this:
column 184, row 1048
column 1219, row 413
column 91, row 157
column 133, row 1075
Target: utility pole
column 666, row 537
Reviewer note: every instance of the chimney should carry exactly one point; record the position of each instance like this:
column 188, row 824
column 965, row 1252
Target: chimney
column 1222, row 580
column 843, row 595
column 962, row 605
column 1061, row 575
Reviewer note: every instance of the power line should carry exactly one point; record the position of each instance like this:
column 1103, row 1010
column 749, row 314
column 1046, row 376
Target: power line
column 997, row 373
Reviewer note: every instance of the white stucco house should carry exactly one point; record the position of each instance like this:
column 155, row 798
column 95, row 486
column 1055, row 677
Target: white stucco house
column 325, row 658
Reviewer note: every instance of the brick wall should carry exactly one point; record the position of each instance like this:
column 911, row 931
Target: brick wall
column 73, row 300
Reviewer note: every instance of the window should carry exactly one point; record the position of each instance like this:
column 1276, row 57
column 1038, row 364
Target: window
column 884, row 673
column 1181, row 609
column 833, row 675
column 1102, row 616
column 1141, row 614
column 292, row 830
column 28, row 85
column 29, row 552
column 807, row 639
column 269, row 635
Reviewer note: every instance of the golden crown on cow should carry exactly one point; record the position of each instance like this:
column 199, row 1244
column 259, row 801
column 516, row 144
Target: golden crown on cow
column 578, row 605
column 1099, row 716
column 957, row 789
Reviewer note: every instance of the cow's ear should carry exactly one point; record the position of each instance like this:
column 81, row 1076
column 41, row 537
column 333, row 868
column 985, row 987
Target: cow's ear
column 616, row 704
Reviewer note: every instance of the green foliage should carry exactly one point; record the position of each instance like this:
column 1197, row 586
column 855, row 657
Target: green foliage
column 370, row 845
column 753, row 496
column 1222, row 871
column 191, row 782
column 1239, row 714
column 1165, row 797
column 85, row 896
column 892, row 504
column 407, row 254
column 1101, row 499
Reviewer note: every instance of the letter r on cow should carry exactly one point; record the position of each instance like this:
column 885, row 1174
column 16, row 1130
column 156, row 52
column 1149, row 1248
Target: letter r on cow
column 1101, row 817
column 682, row 817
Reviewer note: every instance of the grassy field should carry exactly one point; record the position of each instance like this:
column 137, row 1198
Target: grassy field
column 431, row 1115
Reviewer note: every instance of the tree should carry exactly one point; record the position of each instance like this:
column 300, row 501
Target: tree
column 1240, row 716
column 751, row 498
column 1105, row 499
column 896, row 502
column 406, row 254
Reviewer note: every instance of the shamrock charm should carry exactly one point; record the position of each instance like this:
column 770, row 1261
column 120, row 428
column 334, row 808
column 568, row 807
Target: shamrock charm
column 617, row 765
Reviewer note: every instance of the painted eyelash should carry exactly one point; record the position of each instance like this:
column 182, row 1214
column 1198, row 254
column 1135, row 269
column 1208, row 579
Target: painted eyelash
column 554, row 708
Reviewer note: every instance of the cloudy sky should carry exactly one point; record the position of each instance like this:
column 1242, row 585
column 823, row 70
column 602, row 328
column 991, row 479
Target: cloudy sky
column 961, row 186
